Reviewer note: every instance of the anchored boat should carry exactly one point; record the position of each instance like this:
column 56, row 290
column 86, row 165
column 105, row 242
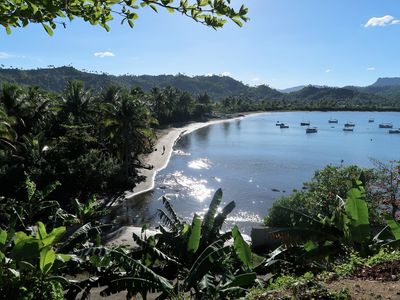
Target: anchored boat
column 394, row 130
column 305, row 123
column 333, row 121
column 386, row 125
column 312, row 130
column 349, row 124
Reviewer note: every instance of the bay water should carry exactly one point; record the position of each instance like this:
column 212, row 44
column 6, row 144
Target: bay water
column 255, row 162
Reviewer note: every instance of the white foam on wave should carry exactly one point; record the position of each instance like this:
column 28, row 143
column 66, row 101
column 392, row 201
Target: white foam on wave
column 199, row 164
column 181, row 153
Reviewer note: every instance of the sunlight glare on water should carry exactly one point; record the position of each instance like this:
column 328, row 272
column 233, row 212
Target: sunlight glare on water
column 198, row 164
column 255, row 162
column 196, row 188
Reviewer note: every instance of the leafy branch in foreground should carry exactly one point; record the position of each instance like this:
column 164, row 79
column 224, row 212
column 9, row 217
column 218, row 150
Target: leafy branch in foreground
column 15, row 13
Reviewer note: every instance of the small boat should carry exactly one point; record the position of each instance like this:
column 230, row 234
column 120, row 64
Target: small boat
column 333, row 121
column 311, row 130
column 349, row 124
column 348, row 129
column 371, row 120
column 305, row 123
column 283, row 125
column 394, row 131
column 278, row 123
column 386, row 125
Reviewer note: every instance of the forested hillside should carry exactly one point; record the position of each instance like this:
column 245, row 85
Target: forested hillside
column 382, row 95
column 218, row 87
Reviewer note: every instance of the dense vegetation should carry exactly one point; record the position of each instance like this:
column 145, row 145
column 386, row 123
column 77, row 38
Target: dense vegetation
column 219, row 88
column 63, row 156
column 88, row 142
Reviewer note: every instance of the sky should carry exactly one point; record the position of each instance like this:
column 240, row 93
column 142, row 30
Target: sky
column 286, row 43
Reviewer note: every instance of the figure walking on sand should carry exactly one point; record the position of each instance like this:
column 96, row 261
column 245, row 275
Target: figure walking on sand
column 163, row 150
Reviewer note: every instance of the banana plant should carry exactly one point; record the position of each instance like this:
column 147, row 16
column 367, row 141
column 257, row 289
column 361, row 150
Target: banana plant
column 31, row 260
column 196, row 253
column 310, row 239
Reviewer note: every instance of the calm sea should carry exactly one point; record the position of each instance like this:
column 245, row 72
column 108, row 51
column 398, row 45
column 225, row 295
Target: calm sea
column 255, row 162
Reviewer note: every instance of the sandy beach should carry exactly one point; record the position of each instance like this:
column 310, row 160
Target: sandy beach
column 166, row 139
column 159, row 160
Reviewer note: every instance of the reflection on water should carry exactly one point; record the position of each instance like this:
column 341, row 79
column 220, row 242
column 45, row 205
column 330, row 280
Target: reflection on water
column 136, row 211
column 238, row 123
column 185, row 141
column 226, row 127
column 201, row 135
column 256, row 162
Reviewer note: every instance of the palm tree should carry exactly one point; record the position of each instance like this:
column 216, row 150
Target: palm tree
column 7, row 133
column 127, row 124
column 77, row 103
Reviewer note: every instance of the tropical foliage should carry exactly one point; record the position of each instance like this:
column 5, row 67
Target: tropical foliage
column 89, row 142
column 236, row 95
column 319, row 196
column 182, row 259
column 20, row 14
column 317, row 242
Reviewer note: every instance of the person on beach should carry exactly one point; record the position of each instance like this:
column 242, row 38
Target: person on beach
column 163, row 150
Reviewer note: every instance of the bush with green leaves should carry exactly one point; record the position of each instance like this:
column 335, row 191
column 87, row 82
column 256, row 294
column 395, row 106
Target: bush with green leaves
column 320, row 195
column 316, row 243
column 30, row 264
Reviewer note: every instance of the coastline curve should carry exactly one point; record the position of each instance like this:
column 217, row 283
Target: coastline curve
column 166, row 139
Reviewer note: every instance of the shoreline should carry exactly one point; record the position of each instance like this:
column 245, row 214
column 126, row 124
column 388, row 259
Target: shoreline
column 167, row 138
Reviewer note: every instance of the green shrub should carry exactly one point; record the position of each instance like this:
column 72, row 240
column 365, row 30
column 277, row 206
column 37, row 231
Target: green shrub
column 320, row 196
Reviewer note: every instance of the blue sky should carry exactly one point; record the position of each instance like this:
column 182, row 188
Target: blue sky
column 285, row 43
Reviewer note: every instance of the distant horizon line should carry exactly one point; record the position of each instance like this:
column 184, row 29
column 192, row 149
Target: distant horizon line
column 96, row 72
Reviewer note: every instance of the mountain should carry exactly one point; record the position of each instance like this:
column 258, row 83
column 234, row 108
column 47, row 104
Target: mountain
column 385, row 92
column 386, row 81
column 298, row 88
column 218, row 87
column 385, row 87
column 313, row 94
column 292, row 89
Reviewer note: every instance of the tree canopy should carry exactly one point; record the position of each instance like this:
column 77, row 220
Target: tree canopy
column 51, row 13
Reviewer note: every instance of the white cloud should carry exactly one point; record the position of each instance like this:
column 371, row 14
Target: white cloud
column 381, row 21
column 5, row 55
column 226, row 73
column 371, row 69
column 209, row 74
column 256, row 79
column 328, row 70
column 104, row 54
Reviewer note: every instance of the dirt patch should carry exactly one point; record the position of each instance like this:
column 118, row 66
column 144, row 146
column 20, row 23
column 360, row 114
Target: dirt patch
column 367, row 289
column 387, row 271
